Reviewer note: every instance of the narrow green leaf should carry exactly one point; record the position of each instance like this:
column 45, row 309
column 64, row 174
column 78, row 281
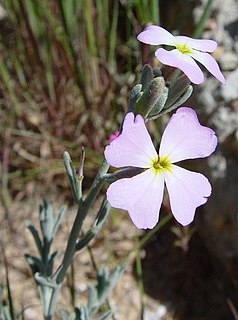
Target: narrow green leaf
column 89, row 27
column 59, row 218
column 75, row 181
column 6, row 79
column 47, row 221
column 113, row 35
column 9, row 293
column 51, row 261
column 34, row 262
column 93, row 303
column 106, row 315
column 155, row 13
column 36, row 237
column 201, row 23
column 64, row 315
column 95, row 227
column 84, row 314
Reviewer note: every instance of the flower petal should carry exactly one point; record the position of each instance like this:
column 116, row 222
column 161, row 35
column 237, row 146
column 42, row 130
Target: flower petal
column 204, row 45
column 141, row 196
column 210, row 63
column 184, row 137
column 187, row 191
column 184, row 62
column 113, row 136
column 133, row 147
column 156, row 35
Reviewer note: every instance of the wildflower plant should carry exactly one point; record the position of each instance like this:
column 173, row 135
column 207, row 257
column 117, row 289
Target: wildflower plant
column 138, row 185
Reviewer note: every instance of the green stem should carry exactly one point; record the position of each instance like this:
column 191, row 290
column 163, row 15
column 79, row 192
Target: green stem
column 83, row 209
column 150, row 233
column 96, row 186
column 139, row 278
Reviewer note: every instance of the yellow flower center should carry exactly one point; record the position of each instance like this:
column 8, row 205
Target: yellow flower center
column 161, row 164
column 183, row 48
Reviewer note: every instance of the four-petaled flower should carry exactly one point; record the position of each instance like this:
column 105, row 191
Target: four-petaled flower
column 141, row 195
column 186, row 49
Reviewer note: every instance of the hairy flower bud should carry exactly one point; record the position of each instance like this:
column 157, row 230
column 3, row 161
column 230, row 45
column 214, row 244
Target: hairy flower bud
column 150, row 97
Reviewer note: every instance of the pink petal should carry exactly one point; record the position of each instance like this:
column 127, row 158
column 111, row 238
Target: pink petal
column 184, row 137
column 156, row 35
column 113, row 136
column 187, row 191
column 184, row 62
column 133, row 147
column 210, row 63
column 141, row 196
column 204, row 45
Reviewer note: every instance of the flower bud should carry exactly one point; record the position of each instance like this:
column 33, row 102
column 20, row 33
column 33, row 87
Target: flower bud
column 147, row 76
column 150, row 97
column 177, row 89
column 155, row 112
column 176, row 92
column 155, row 96
column 134, row 96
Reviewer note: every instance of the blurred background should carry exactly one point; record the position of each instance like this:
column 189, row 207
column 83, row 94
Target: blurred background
column 66, row 68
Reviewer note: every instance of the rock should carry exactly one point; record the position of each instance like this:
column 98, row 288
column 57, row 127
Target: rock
column 228, row 61
column 229, row 92
column 218, row 225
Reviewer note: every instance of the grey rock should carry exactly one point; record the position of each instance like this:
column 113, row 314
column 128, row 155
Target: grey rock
column 228, row 61
column 218, row 225
column 229, row 91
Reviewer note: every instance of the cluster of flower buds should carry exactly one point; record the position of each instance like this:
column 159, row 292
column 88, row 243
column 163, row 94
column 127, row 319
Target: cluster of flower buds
column 154, row 95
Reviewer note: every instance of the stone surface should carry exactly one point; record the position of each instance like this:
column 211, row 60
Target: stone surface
column 218, row 223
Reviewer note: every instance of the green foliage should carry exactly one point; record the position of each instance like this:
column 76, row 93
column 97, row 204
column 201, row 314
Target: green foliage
column 49, row 225
column 7, row 310
column 95, row 227
column 98, row 293
column 5, row 313
column 56, row 36
column 42, row 267
column 62, row 66
column 203, row 19
column 74, row 178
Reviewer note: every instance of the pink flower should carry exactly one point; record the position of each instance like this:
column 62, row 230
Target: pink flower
column 113, row 136
column 141, row 195
column 186, row 49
